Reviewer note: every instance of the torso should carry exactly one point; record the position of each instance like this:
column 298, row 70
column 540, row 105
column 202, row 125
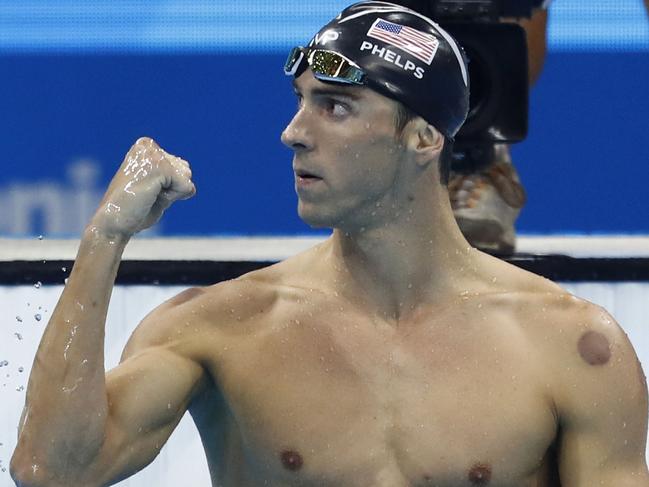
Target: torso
column 310, row 391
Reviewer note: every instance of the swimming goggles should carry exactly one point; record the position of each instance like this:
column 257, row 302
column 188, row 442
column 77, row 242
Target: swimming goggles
column 326, row 66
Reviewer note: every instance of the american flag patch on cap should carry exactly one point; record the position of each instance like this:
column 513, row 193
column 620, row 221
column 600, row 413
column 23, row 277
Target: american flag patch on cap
column 419, row 44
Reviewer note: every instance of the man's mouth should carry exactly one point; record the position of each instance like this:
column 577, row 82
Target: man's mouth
column 306, row 175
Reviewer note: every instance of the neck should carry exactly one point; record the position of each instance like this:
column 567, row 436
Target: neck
column 412, row 258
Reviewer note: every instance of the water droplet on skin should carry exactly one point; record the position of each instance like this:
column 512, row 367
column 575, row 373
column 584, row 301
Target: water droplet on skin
column 38, row 285
column 112, row 208
column 37, row 317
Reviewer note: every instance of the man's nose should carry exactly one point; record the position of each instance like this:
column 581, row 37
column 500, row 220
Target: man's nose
column 297, row 135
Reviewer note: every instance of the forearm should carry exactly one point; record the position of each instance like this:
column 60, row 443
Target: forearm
column 66, row 409
column 66, row 436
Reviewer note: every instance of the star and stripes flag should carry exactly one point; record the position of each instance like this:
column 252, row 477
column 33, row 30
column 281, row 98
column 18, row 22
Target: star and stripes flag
column 419, row 44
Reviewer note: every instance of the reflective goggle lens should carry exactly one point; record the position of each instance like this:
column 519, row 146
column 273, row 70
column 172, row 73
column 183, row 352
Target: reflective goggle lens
column 326, row 66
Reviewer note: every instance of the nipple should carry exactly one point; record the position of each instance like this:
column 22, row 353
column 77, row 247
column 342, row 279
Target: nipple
column 291, row 460
column 480, row 474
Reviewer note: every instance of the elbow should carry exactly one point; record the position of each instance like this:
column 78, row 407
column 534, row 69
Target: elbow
column 31, row 475
column 25, row 467
column 25, row 473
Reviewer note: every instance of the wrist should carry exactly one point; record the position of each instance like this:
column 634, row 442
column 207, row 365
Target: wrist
column 97, row 233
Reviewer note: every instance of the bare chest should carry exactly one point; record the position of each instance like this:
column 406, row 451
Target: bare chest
column 319, row 402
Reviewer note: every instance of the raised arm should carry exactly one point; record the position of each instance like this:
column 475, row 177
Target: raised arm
column 602, row 407
column 76, row 427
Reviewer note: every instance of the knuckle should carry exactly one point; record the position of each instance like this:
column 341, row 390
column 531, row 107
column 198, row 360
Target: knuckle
column 144, row 141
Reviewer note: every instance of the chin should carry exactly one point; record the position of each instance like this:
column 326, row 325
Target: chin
column 315, row 222
column 314, row 218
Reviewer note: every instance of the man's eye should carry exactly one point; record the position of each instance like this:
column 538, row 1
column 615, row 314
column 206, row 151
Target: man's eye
column 337, row 108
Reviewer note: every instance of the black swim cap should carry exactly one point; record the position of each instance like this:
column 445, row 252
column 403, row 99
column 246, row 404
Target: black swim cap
column 405, row 56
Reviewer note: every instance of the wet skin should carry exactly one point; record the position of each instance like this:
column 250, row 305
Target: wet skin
column 473, row 384
column 391, row 355
column 307, row 389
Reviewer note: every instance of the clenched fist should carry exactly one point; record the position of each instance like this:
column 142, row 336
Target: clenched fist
column 146, row 184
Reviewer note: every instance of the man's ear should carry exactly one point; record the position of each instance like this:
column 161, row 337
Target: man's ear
column 425, row 141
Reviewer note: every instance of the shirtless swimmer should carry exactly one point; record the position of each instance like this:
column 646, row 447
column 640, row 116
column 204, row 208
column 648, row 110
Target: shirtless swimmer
column 390, row 355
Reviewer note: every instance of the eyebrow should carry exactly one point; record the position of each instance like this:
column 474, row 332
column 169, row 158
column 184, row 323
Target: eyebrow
column 332, row 90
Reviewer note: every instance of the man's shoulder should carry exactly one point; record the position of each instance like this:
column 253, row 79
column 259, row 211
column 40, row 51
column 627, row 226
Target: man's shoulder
column 509, row 282
column 245, row 296
column 286, row 280
column 570, row 336
column 537, row 302
column 576, row 325
column 577, row 346
column 184, row 321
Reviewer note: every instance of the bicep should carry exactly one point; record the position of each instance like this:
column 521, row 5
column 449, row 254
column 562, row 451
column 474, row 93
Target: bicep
column 604, row 422
column 148, row 393
column 602, row 458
